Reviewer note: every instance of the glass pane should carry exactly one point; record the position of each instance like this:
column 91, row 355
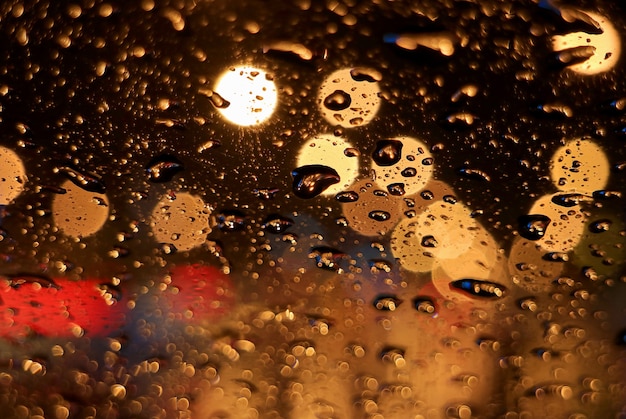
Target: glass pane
column 312, row 209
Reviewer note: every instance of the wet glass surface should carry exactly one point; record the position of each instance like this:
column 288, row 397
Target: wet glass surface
column 312, row 209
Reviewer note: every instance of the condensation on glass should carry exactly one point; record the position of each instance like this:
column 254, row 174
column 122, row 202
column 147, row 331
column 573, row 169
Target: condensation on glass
column 312, row 209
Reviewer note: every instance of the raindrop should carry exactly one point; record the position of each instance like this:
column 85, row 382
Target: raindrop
column 347, row 196
column 351, row 152
column 396, row 189
column 556, row 257
column 379, row 265
column 277, row 224
column 605, row 194
column 311, row 180
column 570, row 200
column 231, row 220
column 393, row 355
column 85, row 180
column 379, row 215
column 429, row 241
column 265, row 193
column 327, row 258
column 474, row 174
column 16, row 281
column 427, row 195
column 409, row 172
column 163, row 168
column 600, row 226
column 388, row 152
column 365, row 74
column 386, row 302
column 337, row 100
column 424, row 305
column 479, row 288
column 534, row 226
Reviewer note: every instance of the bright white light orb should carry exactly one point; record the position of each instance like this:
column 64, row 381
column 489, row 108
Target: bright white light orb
column 249, row 93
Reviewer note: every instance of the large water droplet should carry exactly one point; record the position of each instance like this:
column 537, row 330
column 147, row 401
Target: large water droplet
column 337, row 100
column 231, row 220
column 311, row 180
column 388, row 152
column 85, row 180
column 163, row 168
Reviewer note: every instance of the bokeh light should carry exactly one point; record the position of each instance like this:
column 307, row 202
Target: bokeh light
column 248, row 95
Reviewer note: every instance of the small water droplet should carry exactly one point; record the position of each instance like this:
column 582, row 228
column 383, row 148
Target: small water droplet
column 394, row 356
column 265, row 193
column 163, row 168
column 380, row 265
column 337, row 100
column 311, row 180
column 388, row 152
column 427, row 195
column 533, row 226
column 351, row 152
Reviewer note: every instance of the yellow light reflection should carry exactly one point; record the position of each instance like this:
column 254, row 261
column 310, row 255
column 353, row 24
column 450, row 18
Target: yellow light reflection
column 606, row 47
column 581, row 166
column 181, row 220
column 79, row 213
column 12, row 176
column 249, row 93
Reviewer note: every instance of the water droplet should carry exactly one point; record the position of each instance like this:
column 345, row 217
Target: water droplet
column 388, row 152
column 527, row 303
column 351, row 152
column 556, row 257
column 479, row 288
column 604, row 194
column 85, row 180
column 409, row 172
column 163, row 168
column 394, row 356
column 311, row 180
column 216, row 99
column 337, row 100
column 265, row 193
column 424, row 305
column 231, row 220
column 429, row 241
column 379, row 265
column 379, row 215
column 533, row 226
column 386, row 302
column 16, row 281
column 347, row 196
column 396, row 189
column 427, row 195
column 474, row 174
column 277, row 224
column 327, row 258
column 570, row 199
column 365, row 74
column 600, row 226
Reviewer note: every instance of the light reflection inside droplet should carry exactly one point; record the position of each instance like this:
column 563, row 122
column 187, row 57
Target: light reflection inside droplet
column 250, row 93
